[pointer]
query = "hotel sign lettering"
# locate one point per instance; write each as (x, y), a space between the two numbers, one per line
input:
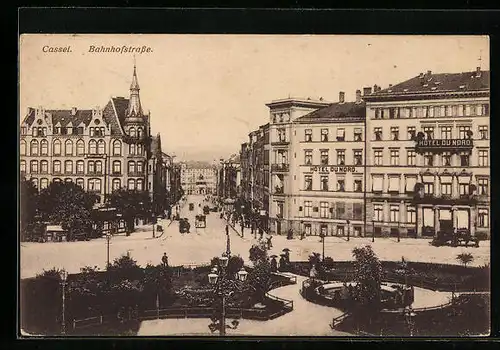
(334, 169)
(445, 143)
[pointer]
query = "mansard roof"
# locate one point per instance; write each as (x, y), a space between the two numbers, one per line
(336, 112)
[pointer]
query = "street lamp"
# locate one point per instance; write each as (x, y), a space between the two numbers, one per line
(409, 314)
(219, 280)
(322, 235)
(108, 238)
(64, 276)
(348, 222)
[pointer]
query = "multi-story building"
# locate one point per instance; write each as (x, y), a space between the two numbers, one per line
(99, 149)
(198, 178)
(317, 174)
(428, 167)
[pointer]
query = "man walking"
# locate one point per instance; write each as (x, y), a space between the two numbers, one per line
(227, 229)
(242, 227)
(164, 259)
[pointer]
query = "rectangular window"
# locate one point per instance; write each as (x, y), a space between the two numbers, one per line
(324, 135)
(394, 210)
(357, 211)
(340, 230)
(446, 156)
(463, 189)
(340, 210)
(341, 185)
(394, 157)
(429, 158)
(57, 167)
(377, 157)
(34, 167)
(79, 167)
(358, 157)
(454, 111)
(358, 134)
(483, 217)
(340, 157)
(411, 215)
(446, 189)
(429, 132)
(394, 133)
(394, 184)
(340, 134)
(308, 182)
(377, 183)
(446, 132)
(378, 133)
(324, 157)
(323, 209)
(411, 132)
(482, 186)
(377, 113)
(483, 157)
(473, 110)
(307, 208)
(44, 167)
(324, 182)
(308, 135)
(378, 214)
(428, 188)
(464, 159)
(308, 157)
(411, 157)
(483, 132)
(411, 181)
(358, 186)
(464, 132)
(392, 113)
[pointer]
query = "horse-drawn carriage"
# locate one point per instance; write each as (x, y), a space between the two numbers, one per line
(448, 236)
(200, 221)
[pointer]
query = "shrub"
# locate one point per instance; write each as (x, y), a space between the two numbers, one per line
(328, 262)
(481, 235)
(465, 258)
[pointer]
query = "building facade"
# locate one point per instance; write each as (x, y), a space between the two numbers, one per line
(99, 149)
(429, 167)
(198, 178)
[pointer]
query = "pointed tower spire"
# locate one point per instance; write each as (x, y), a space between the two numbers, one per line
(134, 103)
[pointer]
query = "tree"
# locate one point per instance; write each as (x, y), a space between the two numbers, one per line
(465, 258)
(131, 203)
(28, 208)
(368, 277)
(259, 279)
(158, 283)
(258, 252)
(68, 205)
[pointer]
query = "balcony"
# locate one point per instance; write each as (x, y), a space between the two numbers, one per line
(280, 167)
(280, 142)
(446, 199)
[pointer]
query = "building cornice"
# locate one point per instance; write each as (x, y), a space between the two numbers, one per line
(427, 95)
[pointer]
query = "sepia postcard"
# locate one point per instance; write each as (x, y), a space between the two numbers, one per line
(254, 185)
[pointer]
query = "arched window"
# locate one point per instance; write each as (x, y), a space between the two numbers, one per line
(57, 148)
(131, 132)
(94, 185)
(44, 147)
(91, 167)
(80, 148)
(68, 167)
(35, 182)
(44, 167)
(34, 167)
(131, 148)
(34, 148)
(117, 148)
(117, 167)
(80, 167)
(101, 147)
(80, 182)
(92, 147)
(56, 167)
(68, 180)
(57, 180)
(139, 185)
(44, 183)
(98, 167)
(139, 132)
(140, 167)
(131, 167)
(116, 184)
(22, 166)
(68, 147)
(139, 149)
(131, 184)
(22, 148)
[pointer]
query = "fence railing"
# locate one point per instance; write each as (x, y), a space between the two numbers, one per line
(338, 319)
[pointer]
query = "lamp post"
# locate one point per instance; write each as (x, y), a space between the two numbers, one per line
(409, 314)
(219, 280)
(108, 238)
(64, 276)
(228, 244)
(348, 222)
(322, 235)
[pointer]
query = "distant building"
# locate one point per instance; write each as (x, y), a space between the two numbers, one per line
(198, 178)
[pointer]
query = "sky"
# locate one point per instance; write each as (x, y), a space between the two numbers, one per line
(207, 92)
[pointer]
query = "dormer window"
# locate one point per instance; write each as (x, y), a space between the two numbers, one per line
(131, 132)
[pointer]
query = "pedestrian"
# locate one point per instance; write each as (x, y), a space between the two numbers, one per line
(242, 227)
(164, 259)
(227, 230)
(261, 233)
(269, 242)
(302, 234)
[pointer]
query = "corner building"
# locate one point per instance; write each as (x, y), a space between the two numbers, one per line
(428, 167)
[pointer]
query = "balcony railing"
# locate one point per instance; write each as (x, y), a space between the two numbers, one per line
(280, 142)
(280, 167)
(135, 173)
(446, 199)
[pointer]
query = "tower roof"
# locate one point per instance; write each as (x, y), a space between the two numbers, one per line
(135, 83)
(134, 109)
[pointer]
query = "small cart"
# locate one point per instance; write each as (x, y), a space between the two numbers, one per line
(200, 221)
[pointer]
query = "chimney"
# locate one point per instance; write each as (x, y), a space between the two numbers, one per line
(390, 85)
(358, 96)
(367, 91)
(73, 110)
(375, 88)
(421, 76)
(341, 97)
(478, 72)
(429, 73)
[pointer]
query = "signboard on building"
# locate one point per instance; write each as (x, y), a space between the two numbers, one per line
(334, 169)
(445, 143)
